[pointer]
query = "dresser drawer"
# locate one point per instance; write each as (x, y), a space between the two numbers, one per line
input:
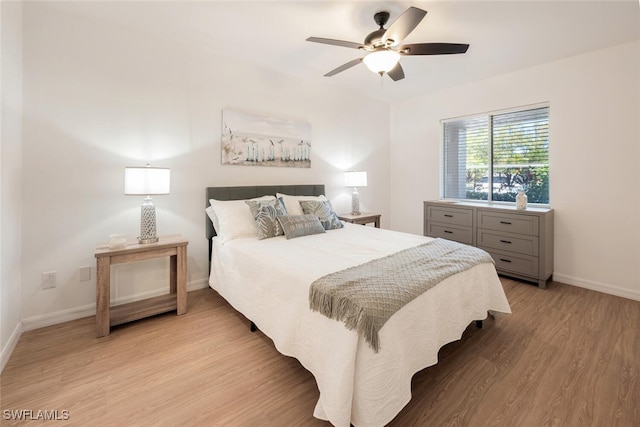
(520, 241)
(511, 223)
(459, 234)
(526, 245)
(524, 265)
(451, 216)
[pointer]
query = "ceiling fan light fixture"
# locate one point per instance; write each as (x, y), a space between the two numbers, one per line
(383, 47)
(381, 61)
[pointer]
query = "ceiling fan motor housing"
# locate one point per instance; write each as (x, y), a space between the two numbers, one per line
(374, 38)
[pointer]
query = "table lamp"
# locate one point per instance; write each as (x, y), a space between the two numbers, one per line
(147, 181)
(355, 179)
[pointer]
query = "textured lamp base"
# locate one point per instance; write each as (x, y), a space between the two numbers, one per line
(147, 222)
(145, 241)
(355, 202)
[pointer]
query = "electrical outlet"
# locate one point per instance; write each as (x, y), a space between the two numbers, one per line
(84, 274)
(48, 279)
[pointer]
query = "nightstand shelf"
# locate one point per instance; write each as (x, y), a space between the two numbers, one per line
(136, 310)
(362, 219)
(175, 247)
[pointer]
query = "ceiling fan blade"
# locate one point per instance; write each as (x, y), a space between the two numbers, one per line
(343, 67)
(396, 73)
(334, 42)
(402, 26)
(432, 48)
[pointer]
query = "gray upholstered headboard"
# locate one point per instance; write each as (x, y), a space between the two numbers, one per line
(249, 192)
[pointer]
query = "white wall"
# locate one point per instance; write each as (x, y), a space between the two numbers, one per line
(10, 176)
(594, 150)
(98, 98)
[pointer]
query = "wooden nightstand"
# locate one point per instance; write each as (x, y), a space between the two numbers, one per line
(363, 218)
(173, 246)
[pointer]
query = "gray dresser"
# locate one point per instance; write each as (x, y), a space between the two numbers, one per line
(520, 241)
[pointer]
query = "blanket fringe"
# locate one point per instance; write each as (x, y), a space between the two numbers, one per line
(353, 316)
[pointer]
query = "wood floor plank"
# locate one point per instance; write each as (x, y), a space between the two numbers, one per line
(565, 357)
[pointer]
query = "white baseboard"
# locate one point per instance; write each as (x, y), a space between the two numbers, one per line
(596, 286)
(10, 346)
(61, 316)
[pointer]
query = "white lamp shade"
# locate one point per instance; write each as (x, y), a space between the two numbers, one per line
(381, 61)
(355, 179)
(146, 181)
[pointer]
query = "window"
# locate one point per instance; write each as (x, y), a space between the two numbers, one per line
(493, 156)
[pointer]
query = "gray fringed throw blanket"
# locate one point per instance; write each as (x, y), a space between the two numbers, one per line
(364, 297)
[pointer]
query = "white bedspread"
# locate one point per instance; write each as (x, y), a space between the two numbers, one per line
(268, 281)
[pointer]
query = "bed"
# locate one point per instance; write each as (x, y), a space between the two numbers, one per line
(268, 281)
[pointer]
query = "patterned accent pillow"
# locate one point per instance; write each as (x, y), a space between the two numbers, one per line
(323, 210)
(292, 203)
(265, 215)
(300, 225)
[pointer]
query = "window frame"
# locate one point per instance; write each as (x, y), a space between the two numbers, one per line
(488, 116)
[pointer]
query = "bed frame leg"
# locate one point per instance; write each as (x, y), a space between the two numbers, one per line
(479, 324)
(253, 327)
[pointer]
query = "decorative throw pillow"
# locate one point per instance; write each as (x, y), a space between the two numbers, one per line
(232, 218)
(323, 210)
(300, 225)
(265, 216)
(292, 203)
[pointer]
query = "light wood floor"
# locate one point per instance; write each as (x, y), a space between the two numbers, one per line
(565, 357)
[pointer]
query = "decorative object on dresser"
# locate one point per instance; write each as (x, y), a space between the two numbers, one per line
(362, 219)
(519, 241)
(521, 200)
(147, 181)
(355, 179)
(175, 247)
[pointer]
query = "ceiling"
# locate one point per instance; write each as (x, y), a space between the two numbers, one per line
(504, 36)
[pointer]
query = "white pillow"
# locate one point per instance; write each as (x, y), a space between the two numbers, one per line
(212, 216)
(233, 218)
(292, 203)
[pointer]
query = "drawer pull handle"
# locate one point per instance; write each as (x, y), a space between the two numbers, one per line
(448, 232)
(505, 241)
(505, 222)
(505, 260)
(448, 216)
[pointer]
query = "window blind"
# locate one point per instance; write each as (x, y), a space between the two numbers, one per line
(466, 154)
(493, 156)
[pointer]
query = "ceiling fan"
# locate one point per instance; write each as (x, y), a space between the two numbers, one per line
(383, 49)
